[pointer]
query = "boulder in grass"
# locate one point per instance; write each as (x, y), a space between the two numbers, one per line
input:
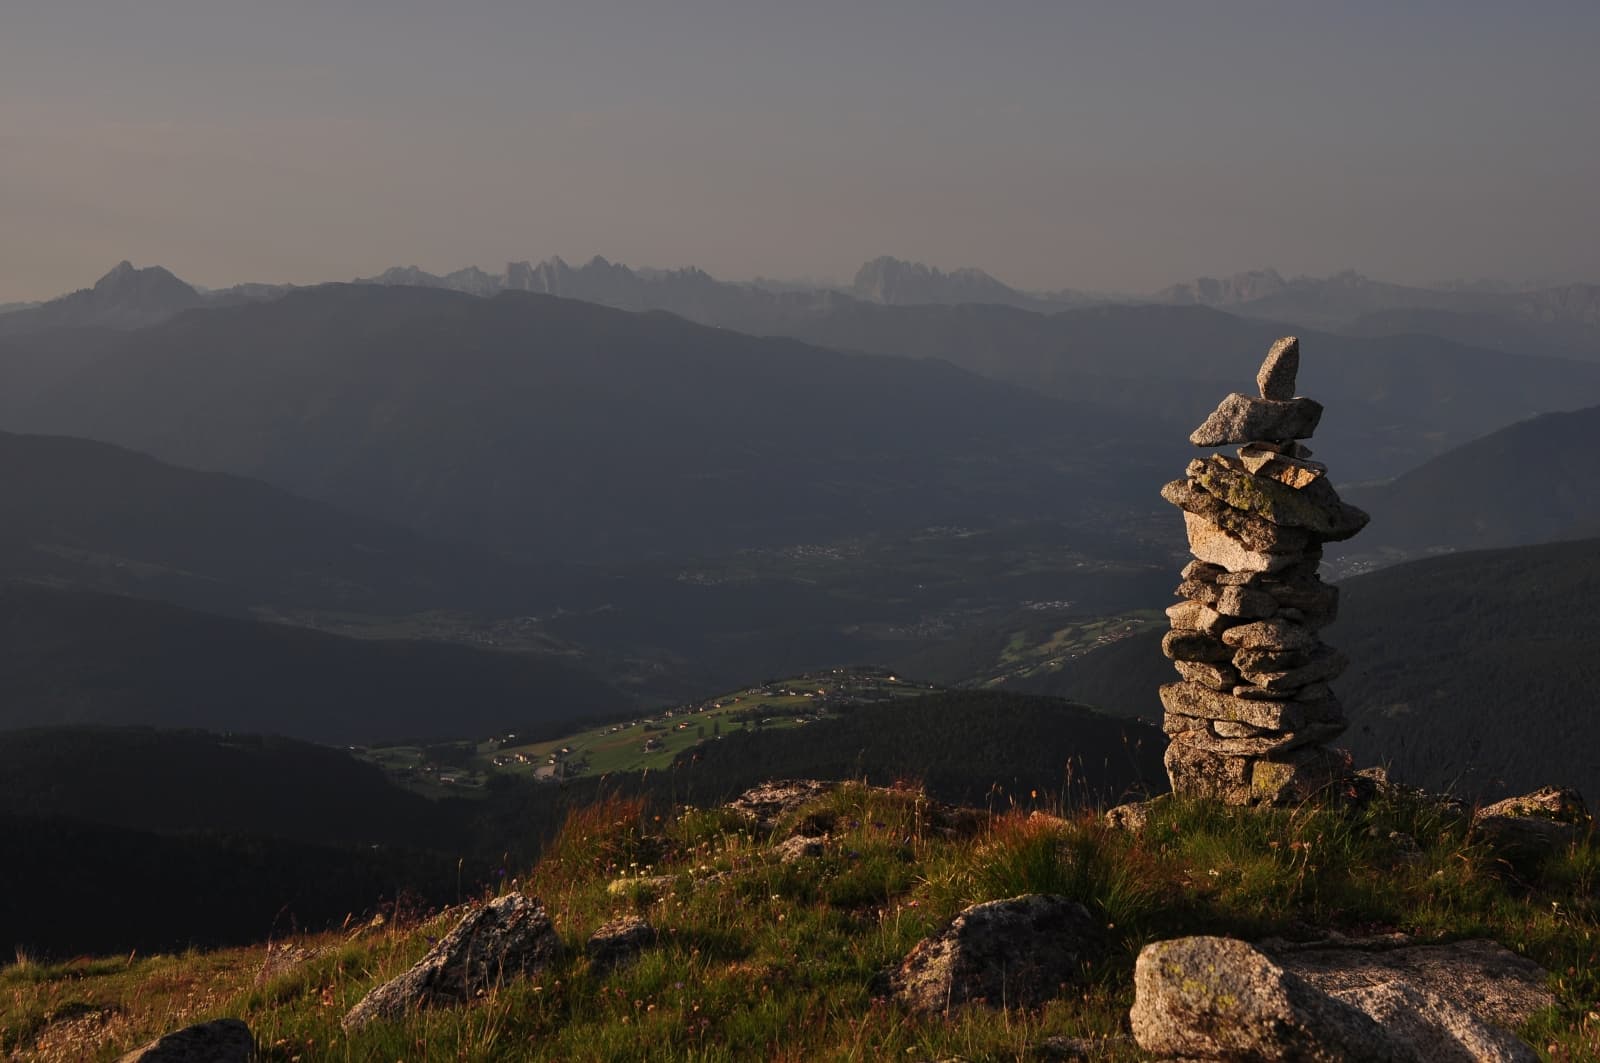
(1535, 824)
(510, 937)
(1454, 1002)
(1218, 998)
(218, 1041)
(1011, 953)
(1209, 998)
(619, 942)
(765, 805)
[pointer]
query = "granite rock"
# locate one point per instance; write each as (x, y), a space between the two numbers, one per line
(1276, 378)
(1207, 774)
(1216, 676)
(1316, 508)
(1192, 699)
(1009, 953)
(509, 937)
(1212, 544)
(1269, 635)
(217, 1041)
(1253, 531)
(1242, 419)
(1194, 646)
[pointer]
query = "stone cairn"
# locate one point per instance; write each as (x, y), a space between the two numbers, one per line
(1250, 716)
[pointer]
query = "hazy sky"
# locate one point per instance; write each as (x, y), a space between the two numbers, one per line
(1115, 146)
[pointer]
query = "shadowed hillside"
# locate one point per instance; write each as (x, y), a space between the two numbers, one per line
(1476, 672)
(106, 518)
(1529, 483)
(74, 657)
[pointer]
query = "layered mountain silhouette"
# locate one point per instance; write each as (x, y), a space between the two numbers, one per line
(1563, 320)
(100, 517)
(1473, 672)
(73, 657)
(551, 428)
(1530, 483)
(1393, 401)
(1465, 383)
(895, 282)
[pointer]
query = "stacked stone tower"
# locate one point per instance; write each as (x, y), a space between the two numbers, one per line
(1251, 715)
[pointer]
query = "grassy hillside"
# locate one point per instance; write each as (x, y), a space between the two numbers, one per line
(75, 657)
(184, 810)
(761, 959)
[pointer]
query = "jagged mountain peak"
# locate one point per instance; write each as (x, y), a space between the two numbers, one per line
(125, 297)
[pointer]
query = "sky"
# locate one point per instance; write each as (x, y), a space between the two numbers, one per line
(1114, 146)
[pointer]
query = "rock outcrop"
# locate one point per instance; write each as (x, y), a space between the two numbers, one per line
(507, 938)
(619, 942)
(1252, 710)
(1535, 824)
(1011, 953)
(765, 805)
(218, 1041)
(1209, 998)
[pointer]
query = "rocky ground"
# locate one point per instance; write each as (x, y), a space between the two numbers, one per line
(825, 921)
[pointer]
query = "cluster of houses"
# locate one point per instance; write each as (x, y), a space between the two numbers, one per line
(823, 690)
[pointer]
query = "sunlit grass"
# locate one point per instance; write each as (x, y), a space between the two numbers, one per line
(761, 959)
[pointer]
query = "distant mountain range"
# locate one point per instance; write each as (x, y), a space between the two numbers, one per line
(1563, 321)
(74, 657)
(552, 428)
(1398, 400)
(1475, 672)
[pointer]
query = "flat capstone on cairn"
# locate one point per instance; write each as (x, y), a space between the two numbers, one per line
(1249, 719)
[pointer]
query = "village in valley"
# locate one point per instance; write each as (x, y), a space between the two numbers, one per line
(643, 743)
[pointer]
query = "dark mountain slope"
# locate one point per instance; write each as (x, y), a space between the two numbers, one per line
(1478, 671)
(1399, 399)
(101, 517)
(1393, 401)
(76, 888)
(965, 746)
(73, 657)
(145, 779)
(1532, 482)
(545, 426)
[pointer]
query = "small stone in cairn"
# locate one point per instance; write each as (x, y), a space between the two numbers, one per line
(1253, 708)
(1277, 376)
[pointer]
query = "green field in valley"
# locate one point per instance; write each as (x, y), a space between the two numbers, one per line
(645, 743)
